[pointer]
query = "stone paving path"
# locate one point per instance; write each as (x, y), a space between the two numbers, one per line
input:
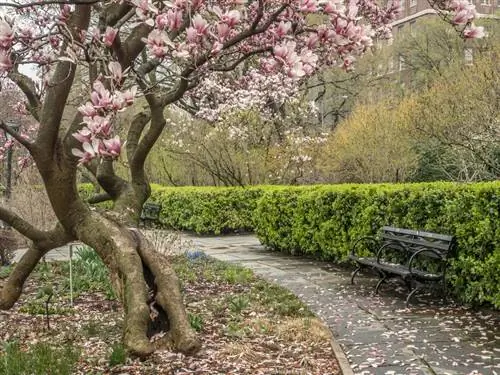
(377, 333)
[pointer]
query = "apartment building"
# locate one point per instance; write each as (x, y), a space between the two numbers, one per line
(412, 10)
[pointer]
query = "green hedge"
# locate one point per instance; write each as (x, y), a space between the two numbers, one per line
(207, 210)
(323, 221)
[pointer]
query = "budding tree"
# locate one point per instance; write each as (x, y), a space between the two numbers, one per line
(169, 53)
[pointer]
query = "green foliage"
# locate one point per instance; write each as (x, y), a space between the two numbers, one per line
(324, 221)
(39, 359)
(238, 303)
(196, 322)
(90, 274)
(277, 299)
(118, 355)
(207, 210)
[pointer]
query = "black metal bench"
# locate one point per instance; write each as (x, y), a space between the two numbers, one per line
(418, 258)
(150, 213)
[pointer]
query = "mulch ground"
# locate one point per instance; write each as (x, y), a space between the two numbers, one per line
(243, 330)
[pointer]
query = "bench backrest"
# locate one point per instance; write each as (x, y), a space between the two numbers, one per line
(415, 240)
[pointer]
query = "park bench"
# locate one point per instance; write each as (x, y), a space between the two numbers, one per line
(150, 213)
(418, 258)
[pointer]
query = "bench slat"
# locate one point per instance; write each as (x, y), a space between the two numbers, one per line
(419, 233)
(417, 242)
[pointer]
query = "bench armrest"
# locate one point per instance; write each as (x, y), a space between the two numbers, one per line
(438, 257)
(370, 243)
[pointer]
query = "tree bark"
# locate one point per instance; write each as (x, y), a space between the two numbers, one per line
(155, 317)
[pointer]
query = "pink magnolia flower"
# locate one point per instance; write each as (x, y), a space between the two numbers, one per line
(109, 36)
(87, 110)
(174, 19)
(309, 6)
(99, 126)
(100, 97)
(89, 152)
(112, 147)
(6, 34)
(5, 61)
(312, 41)
(116, 71)
(283, 28)
(200, 24)
(158, 43)
(129, 95)
(231, 18)
(223, 30)
(83, 135)
(191, 35)
(474, 32)
(330, 7)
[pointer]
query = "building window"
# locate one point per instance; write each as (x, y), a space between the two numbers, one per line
(401, 63)
(402, 4)
(413, 3)
(468, 56)
(485, 2)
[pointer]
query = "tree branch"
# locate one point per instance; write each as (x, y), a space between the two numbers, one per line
(21, 225)
(27, 86)
(13, 287)
(99, 198)
(58, 92)
(23, 141)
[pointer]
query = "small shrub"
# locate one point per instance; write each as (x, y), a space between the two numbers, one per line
(279, 300)
(238, 304)
(90, 274)
(118, 355)
(196, 322)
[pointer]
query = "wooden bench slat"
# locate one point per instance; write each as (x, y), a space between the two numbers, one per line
(437, 236)
(417, 242)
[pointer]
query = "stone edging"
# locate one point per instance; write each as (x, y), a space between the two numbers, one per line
(342, 360)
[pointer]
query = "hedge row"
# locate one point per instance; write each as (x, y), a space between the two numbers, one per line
(324, 220)
(207, 210)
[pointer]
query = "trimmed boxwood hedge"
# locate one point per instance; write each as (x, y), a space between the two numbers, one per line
(207, 210)
(323, 220)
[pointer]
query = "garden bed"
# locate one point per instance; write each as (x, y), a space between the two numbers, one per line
(247, 325)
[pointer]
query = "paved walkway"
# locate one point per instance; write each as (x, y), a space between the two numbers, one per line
(377, 333)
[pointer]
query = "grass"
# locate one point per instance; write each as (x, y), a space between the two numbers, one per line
(38, 359)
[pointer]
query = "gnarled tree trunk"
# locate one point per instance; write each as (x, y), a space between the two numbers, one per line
(147, 285)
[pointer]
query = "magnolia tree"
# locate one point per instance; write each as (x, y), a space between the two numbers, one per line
(168, 52)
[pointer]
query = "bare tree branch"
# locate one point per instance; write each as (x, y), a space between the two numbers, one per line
(27, 86)
(21, 225)
(23, 141)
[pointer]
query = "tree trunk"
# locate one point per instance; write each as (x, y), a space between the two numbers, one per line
(155, 317)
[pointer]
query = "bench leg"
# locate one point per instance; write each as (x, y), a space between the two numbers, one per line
(412, 293)
(380, 282)
(355, 272)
